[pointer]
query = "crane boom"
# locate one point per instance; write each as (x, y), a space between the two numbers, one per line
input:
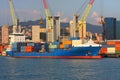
(82, 22)
(48, 16)
(52, 25)
(87, 10)
(14, 19)
(49, 23)
(46, 8)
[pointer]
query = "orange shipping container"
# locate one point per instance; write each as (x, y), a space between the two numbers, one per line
(6, 46)
(28, 48)
(103, 51)
(61, 45)
(67, 42)
(111, 42)
(117, 45)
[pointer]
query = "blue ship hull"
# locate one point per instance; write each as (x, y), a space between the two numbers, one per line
(74, 52)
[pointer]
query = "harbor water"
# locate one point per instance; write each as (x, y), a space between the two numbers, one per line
(59, 69)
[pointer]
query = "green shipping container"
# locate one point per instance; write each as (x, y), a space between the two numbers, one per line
(117, 52)
(53, 46)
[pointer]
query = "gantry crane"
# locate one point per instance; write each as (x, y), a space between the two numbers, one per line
(49, 23)
(81, 27)
(14, 19)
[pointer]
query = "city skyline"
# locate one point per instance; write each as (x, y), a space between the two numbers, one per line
(33, 10)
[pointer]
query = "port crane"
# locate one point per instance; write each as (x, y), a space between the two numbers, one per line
(81, 27)
(49, 23)
(14, 19)
(16, 28)
(102, 22)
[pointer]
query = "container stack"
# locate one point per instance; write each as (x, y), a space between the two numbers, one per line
(30, 44)
(103, 50)
(1, 49)
(111, 47)
(46, 47)
(37, 47)
(20, 46)
(14, 46)
(67, 44)
(61, 46)
(117, 47)
(29, 48)
(22, 49)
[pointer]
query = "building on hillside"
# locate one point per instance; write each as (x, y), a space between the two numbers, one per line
(57, 28)
(117, 29)
(43, 34)
(5, 34)
(38, 33)
(73, 26)
(1, 34)
(110, 28)
(35, 33)
(71, 29)
(82, 29)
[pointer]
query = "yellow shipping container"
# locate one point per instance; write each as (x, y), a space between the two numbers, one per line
(76, 42)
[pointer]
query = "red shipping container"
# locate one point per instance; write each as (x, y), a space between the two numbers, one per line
(103, 51)
(1, 48)
(117, 42)
(117, 48)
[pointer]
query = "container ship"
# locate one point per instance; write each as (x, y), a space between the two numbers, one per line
(71, 48)
(68, 49)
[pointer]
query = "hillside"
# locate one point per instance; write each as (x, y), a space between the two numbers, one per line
(90, 27)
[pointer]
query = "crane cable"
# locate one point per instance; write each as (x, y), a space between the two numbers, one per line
(101, 21)
(41, 14)
(82, 6)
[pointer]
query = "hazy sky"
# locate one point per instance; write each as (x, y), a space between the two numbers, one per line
(33, 9)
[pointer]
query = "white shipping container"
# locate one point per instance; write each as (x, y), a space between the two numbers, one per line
(111, 50)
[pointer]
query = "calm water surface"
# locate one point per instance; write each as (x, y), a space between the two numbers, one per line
(59, 69)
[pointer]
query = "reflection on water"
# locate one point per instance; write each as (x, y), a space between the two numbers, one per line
(59, 69)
